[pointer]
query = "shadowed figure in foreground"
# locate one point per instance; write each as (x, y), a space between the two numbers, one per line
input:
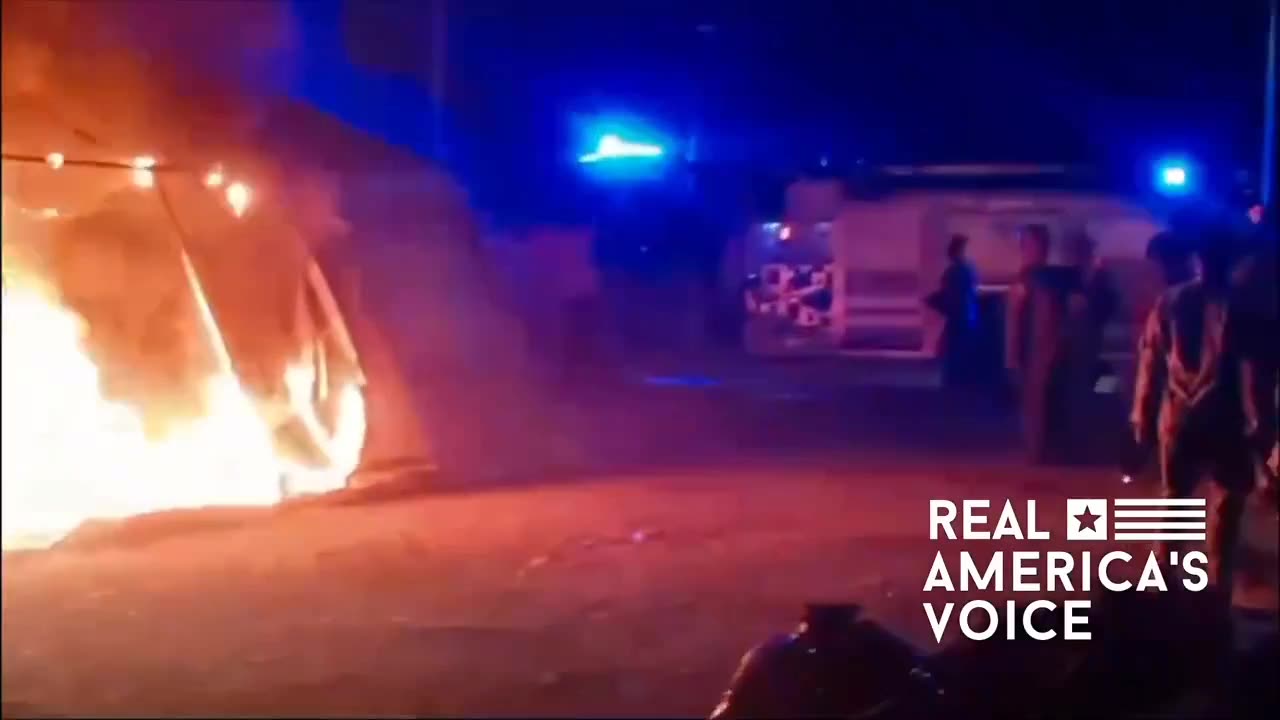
(1151, 654)
(835, 664)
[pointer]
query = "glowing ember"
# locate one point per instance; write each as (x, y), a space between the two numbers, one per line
(214, 178)
(142, 174)
(71, 455)
(238, 197)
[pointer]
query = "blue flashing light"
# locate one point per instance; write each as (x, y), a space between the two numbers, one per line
(612, 147)
(1174, 176)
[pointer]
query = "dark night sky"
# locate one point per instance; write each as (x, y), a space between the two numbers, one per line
(778, 84)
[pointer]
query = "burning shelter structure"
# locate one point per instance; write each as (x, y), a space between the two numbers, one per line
(189, 318)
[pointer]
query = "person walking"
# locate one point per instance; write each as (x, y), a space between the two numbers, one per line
(1189, 401)
(956, 299)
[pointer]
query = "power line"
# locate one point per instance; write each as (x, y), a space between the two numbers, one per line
(144, 169)
(102, 164)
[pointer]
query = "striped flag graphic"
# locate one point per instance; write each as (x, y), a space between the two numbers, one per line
(1159, 519)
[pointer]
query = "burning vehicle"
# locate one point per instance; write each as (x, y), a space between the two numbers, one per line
(170, 339)
(140, 375)
(201, 271)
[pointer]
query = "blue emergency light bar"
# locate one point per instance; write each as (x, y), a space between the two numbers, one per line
(612, 147)
(1174, 176)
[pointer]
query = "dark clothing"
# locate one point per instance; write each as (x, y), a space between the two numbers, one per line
(1092, 304)
(1189, 400)
(1228, 461)
(1255, 292)
(959, 292)
(957, 300)
(1036, 348)
(864, 672)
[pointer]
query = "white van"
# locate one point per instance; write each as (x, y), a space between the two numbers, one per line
(881, 257)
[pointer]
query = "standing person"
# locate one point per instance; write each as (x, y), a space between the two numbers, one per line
(1034, 347)
(1255, 294)
(1091, 305)
(1189, 399)
(957, 300)
(1171, 256)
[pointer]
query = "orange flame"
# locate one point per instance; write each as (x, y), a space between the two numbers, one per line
(71, 455)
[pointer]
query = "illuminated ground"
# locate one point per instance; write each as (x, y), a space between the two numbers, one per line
(621, 593)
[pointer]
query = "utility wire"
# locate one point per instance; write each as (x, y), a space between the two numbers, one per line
(103, 164)
(181, 238)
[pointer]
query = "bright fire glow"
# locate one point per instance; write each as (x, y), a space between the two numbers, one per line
(238, 197)
(72, 455)
(55, 159)
(214, 178)
(143, 176)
